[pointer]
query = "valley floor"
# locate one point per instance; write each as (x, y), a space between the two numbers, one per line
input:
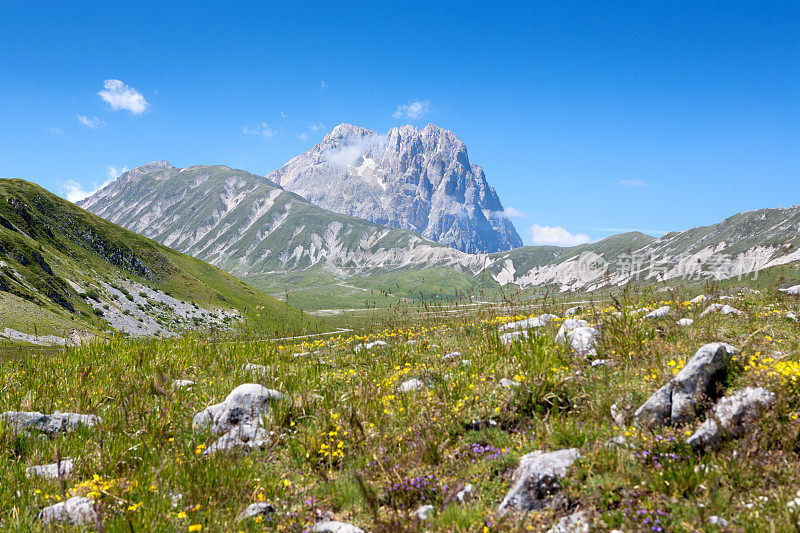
(433, 407)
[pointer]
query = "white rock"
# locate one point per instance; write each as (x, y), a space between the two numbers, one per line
(332, 526)
(583, 341)
(685, 322)
(74, 511)
(49, 424)
(795, 290)
(730, 416)
(658, 313)
(577, 522)
(410, 385)
(465, 494)
(424, 512)
(536, 479)
(567, 326)
(508, 383)
(715, 520)
(532, 322)
(791, 316)
(255, 369)
(370, 345)
(51, 471)
(255, 509)
(451, 355)
(182, 383)
(508, 338)
(698, 299)
(572, 311)
(722, 309)
(675, 402)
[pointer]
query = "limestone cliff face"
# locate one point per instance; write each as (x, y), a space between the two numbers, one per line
(414, 179)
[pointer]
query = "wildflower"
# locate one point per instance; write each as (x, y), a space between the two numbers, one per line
(196, 527)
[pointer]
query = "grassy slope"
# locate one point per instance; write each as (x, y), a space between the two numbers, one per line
(84, 248)
(345, 421)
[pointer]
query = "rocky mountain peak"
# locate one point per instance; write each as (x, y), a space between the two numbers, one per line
(414, 179)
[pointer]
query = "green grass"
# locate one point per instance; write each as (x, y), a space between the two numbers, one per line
(345, 442)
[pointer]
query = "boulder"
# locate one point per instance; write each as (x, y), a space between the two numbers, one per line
(577, 522)
(411, 385)
(255, 509)
(677, 401)
(658, 313)
(685, 322)
(731, 416)
(75, 511)
(572, 311)
(567, 326)
(51, 471)
(583, 341)
(50, 424)
(794, 290)
(332, 526)
(238, 417)
(537, 480)
(424, 512)
(508, 338)
(722, 309)
(698, 299)
(532, 322)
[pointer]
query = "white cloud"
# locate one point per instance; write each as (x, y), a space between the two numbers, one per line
(262, 129)
(283, 115)
(352, 149)
(56, 130)
(113, 173)
(91, 122)
(303, 137)
(632, 183)
(316, 127)
(514, 212)
(413, 110)
(323, 85)
(556, 236)
(121, 96)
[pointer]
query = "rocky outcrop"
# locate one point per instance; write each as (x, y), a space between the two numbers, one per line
(75, 511)
(678, 400)
(421, 180)
(730, 416)
(48, 424)
(238, 418)
(537, 480)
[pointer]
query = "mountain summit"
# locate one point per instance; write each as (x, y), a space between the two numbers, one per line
(421, 180)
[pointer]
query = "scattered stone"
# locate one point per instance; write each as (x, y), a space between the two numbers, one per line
(685, 322)
(618, 441)
(370, 345)
(602, 362)
(332, 526)
(619, 416)
(795, 290)
(508, 383)
(791, 316)
(49, 424)
(508, 338)
(451, 355)
(698, 299)
(74, 511)
(478, 425)
(411, 385)
(424, 512)
(182, 383)
(51, 471)
(577, 522)
(676, 402)
(572, 311)
(255, 509)
(238, 418)
(536, 479)
(722, 309)
(718, 521)
(583, 341)
(658, 313)
(533, 322)
(731, 416)
(78, 337)
(255, 369)
(567, 326)
(465, 494)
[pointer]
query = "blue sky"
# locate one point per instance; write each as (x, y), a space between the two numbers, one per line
(591, 117)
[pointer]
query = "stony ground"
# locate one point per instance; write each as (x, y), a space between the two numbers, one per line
(472, 423)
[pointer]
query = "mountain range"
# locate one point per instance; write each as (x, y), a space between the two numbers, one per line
(279, 241)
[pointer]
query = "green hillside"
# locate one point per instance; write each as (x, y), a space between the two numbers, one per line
(69, 269)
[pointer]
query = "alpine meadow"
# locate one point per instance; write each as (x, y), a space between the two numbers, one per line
(429, 266)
